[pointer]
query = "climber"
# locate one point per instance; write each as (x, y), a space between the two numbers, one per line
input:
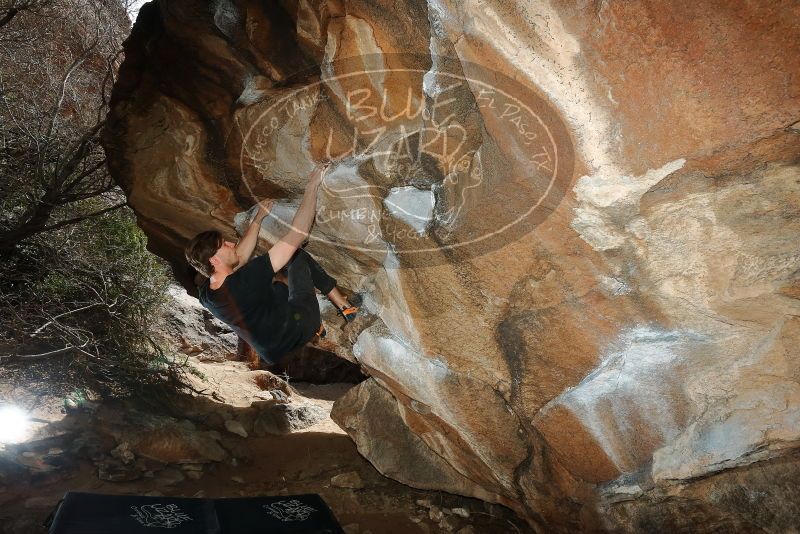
(274, 317)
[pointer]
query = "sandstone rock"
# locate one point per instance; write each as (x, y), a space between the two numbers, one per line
(271, 382)
(461, 512)
(350, 480)
(286, 418)
(748, 498)
(300, 416)
(165, 439)
(198, 333)
(279, 396)
(90, 445)
(396, 452)
(634, 329)
(115, 471)
(435, 513)
(235, 427)
(36, 461)
(274, 412)
(448, 524)
(169, 476)
(123, 453)
(192, 467)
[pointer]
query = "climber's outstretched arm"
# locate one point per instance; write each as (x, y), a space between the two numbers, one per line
(283, 250)
(247, 244)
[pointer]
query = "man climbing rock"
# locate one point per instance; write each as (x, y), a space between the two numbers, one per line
(272, 316)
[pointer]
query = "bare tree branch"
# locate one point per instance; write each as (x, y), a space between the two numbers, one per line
(10, 14)
(40, 355)
(77, 62)
(51, 160)
(74, 220)
(48, 323)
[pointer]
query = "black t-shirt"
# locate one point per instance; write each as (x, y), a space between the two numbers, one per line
(255, 308)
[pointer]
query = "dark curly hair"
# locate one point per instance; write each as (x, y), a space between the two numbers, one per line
(201, 248)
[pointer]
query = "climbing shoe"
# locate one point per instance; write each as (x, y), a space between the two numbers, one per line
(321, 332)
(349, 313)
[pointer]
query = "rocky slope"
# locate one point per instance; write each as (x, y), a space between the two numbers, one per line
(575, 227)
(250, 434)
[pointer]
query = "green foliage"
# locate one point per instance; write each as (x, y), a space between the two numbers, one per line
(77, 284)
(93, 290)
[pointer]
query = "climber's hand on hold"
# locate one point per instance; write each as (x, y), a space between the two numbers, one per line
(281, 253)
(247, 244)
(318, 173)
(264, 207)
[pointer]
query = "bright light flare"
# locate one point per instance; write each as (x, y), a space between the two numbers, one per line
(14, 424)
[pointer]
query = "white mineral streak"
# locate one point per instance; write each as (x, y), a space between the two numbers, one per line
(607, 201)
(360, 36)
(719, 388)
(628, 387)
(411, 205)
(750, 407)
(450, 397)
(551, 65)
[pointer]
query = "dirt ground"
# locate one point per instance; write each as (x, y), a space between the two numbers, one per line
(302, 462)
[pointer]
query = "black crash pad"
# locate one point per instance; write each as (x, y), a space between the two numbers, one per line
(93, 513)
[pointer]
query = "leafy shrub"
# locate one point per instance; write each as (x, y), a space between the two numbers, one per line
(90, 292)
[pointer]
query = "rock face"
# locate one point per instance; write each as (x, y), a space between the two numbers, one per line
(372, 416)
(195, 331)
(579, 258)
